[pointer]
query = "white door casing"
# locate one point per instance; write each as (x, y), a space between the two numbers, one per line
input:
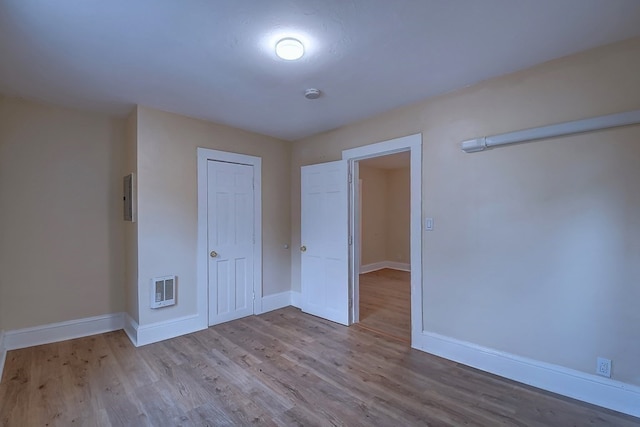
(324, 239)
(231, 239)
(413, 144)
(204, 156)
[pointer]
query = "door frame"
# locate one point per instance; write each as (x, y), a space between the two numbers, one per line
(202, 255)
(413, 144)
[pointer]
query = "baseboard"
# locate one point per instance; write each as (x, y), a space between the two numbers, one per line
(402, 266)
(368, 268)
(276, 301)
(3, 353)
(131, 329)
(62, 331)
(160, 331)
(578, 385)
(296, 299)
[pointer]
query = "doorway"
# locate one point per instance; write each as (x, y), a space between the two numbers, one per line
(229, 236)
(329, 229)
(412, 145)
(383, 249)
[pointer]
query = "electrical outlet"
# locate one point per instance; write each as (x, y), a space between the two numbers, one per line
(603, 367)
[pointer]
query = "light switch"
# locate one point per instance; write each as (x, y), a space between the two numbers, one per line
(428, 224)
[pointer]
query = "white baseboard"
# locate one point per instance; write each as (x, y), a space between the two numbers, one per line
(62, 331)
(589, 388)
(3, 353)
(160, 331)
(296, 299)
(402, 266)
(368, 268)
(276, 301)
(131, 329)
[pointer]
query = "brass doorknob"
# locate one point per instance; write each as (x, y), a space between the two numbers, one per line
(303, 248)
(213, 254)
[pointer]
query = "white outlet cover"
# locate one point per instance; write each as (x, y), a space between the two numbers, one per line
(603, 367)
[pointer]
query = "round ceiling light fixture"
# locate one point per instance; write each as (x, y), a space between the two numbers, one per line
(289, 49)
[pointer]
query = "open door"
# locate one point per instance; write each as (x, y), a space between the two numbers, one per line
(325, 241)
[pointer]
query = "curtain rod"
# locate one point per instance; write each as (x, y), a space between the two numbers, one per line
(560, 129)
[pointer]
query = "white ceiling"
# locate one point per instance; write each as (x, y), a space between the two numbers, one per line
(214, 59)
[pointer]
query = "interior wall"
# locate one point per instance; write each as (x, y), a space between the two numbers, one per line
(61, 216)
(2, 222)
(399, 213)
(386, 197)
(536, 247)
(375, 216)
(167, 204)
(131, 228)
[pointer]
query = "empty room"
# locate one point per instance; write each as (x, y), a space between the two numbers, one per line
(319, 212)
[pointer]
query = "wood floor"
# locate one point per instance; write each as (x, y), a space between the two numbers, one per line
(280, 368)
(385, 303)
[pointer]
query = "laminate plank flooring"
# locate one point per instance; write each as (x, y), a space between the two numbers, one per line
(385, 303)
(283, 368)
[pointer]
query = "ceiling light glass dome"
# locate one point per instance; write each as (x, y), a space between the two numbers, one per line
(289, 49)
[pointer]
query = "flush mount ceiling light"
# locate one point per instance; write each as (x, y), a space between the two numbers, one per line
(289, 49)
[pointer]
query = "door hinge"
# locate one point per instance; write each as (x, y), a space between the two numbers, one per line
(350, 302)
(350, 240)
(350, 178)
(254, 295)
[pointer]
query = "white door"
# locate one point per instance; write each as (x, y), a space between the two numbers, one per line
(325, 250)
(230, 238)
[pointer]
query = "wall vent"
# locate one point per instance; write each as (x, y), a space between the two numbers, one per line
(163, 291)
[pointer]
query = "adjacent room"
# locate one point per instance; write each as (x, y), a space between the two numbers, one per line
(302, 212)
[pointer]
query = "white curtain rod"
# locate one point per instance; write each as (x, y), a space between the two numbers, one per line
(560, 129)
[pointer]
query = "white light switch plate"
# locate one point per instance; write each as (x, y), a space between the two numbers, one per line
(428, 224)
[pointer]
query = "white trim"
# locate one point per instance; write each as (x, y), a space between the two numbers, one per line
(131, 329)
(62, 331)
(3, 353)
(589, 388)
(205, 154)
(276, 301)
(401, 266)
(296, 299)
(160, 331)
(413, 143)
(374, 266)
(393, 265)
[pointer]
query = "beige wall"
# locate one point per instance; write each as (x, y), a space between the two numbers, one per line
(131, 228)
(167, 203)
(398, 205)
(61, 214)
(375, 216)
(385, 215)
(536, 247)
(2, 281)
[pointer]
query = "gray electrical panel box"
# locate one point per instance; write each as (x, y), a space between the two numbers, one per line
(128, 194)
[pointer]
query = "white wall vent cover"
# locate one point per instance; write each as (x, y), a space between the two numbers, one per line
(163, 291)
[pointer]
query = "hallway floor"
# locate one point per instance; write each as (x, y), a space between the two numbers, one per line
(385, 303)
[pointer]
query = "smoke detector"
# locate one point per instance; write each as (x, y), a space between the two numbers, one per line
(312, 93)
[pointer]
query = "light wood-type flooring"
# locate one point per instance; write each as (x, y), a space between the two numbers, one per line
(385, 303)
(280, 368)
